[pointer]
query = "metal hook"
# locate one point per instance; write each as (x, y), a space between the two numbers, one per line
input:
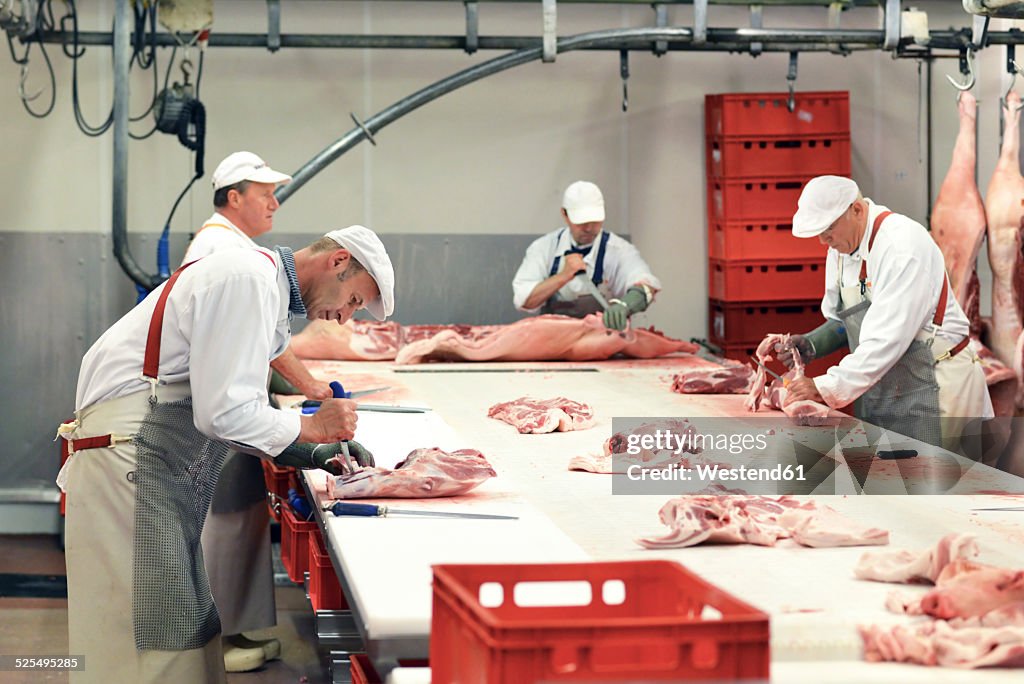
(966, 68)
(186, 69)
(21, 84)
(624, 72)
(791, 81)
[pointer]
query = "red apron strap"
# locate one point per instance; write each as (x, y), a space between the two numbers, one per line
(91, 443)
(151, 361)
(871, 243)
(940, 308)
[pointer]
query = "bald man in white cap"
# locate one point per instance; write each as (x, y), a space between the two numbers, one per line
(911, 368)
(571, 269)
(161, 397)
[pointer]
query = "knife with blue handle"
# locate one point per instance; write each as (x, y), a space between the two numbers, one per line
(343, 508)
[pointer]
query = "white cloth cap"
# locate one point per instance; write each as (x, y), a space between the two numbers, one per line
(823, 200)
(242, 166)
(583, 202)
(368, 250)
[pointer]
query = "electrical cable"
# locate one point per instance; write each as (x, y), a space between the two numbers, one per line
(83, 125)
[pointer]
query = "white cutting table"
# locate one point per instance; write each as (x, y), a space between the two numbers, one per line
(810, 594)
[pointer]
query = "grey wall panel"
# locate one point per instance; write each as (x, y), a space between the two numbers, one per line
(58, 293)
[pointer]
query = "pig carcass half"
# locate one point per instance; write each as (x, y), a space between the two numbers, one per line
(425, 473)
(538, 416)
(543, 338)
(1003, 207)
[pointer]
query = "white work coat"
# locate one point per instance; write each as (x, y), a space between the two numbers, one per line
(234, 291)
(216, 234)
(623, 268)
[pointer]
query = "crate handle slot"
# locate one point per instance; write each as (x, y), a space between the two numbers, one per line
(783, 144)
(650, 654)
(790, 185)
(789, 268)
(565, 593)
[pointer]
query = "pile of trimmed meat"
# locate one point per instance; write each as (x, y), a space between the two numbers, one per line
(979, 609)
(425, 473)
(540, 338)
(538, 416)
(761, 520)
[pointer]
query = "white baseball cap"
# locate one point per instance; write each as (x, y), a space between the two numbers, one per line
(823, 200)
(368, 250)
(242, 166)
(583, 202)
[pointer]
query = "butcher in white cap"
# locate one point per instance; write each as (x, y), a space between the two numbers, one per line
(162, 396)
(911, 368)
(581, 268)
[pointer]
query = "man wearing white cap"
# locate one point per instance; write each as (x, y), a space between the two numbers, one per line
(236, 537)
(887, 297)
(161, 396)
(571, 269)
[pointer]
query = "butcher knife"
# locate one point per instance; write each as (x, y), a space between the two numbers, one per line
(589, 284)
(375, 511)
(384, 408)
(769, 371)
(310, 406)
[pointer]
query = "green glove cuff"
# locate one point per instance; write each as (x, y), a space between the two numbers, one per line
(635, 299)
(298, 455)
(826, 338)
(278, 385)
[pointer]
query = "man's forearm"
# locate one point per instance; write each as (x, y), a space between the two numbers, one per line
(293, 370)
(545, 290)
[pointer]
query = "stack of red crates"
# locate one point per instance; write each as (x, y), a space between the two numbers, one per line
(760, 155)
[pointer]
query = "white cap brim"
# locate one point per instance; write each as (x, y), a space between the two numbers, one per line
(366, 248)
(823, 200)
(268, 175)
(585, 214)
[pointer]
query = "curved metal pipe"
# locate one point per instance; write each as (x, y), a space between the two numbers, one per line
(462, 78)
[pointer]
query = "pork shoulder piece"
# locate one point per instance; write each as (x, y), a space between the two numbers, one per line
(615, 456)
(539, 416)
(965, 588)
(912, 567)
(425, 473)
(543, 338)
(958, 216)
(722, 380)
(1004, 212)
(353, 341)
(824, 527)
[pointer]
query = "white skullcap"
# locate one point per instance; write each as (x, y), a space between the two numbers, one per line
(368, 250)
(242, 166)
(583, 202)
(823, 200)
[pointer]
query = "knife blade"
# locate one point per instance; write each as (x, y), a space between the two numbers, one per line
(380, 511)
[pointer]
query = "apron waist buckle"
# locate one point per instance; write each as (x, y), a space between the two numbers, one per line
(954, 350)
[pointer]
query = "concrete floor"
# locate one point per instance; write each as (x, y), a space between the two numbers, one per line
(38, 627)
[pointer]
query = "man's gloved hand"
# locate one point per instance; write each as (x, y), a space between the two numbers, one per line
(328, 457)
(801, 344)
(616, 316)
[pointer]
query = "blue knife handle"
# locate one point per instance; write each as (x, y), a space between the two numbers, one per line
(365, 510)
(339, 391)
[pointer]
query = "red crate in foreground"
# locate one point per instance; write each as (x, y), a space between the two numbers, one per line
(295, 535)
(324, 589)
(650, 620)
(279, 481)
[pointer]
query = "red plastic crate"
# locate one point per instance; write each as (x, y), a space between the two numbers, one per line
(752, 157)
(279, 481)
(769, 280)
(743, 352)
(767, 113)
(324, 589)
(362, 670)
(655, 631)
(748, 200)
(295, 534)
(761, 240)
(750, 322)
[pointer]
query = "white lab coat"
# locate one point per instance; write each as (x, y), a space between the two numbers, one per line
(623, 268)
(905, 273)
(216, 234)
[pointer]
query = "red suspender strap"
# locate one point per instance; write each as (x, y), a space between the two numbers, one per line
(91, 443)
(940, 308)
(871, 243)
(151, 361)
(273, 263)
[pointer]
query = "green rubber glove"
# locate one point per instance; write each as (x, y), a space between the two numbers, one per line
(616, 316)
(278, 385)
(324, 456)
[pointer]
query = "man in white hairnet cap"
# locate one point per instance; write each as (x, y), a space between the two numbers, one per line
(887, 297)
(236, 536)
(161, 397)
(577, 269)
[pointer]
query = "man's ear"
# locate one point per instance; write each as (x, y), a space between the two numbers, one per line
(339, 259)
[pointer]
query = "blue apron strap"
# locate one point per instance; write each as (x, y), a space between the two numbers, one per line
(599, 262)
(558, 257)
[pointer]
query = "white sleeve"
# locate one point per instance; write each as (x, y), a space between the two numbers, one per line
(631, 269)
(230, 348)
(830, 301)
(901, 299)
(535, 268)
(212, 239)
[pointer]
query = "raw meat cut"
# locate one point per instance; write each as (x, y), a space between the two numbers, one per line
(722, 380)
(758, 520)
(996, 640)
(803, 412)
(901, 565)
(764, 353)
(958, 216)
(615, 456)
(1003, 207)
(425, 473)
(538, 416)
(965, 588)
(543, 338)
(353, 341)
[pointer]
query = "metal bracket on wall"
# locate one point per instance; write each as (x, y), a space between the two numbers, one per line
(472, 27)
(273, 25)
(661, 21)
(550, 42)
(791, 81)
(364, 129)
(891, 22)
(835, 13)
(756, 22)
(700, 22)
